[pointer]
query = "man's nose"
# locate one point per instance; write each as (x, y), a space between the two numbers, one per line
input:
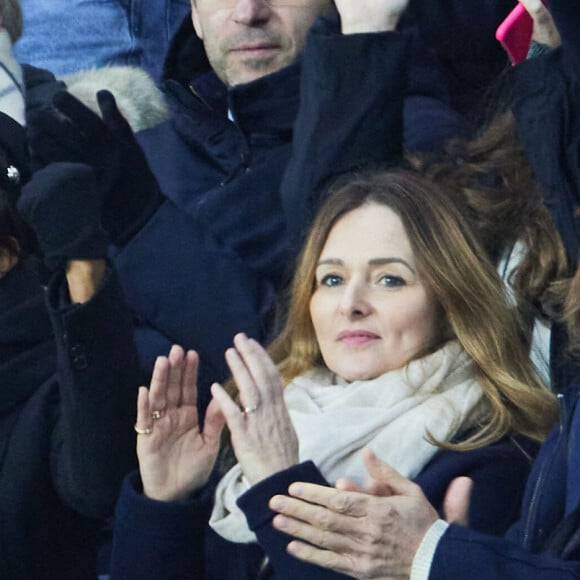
(251, 12)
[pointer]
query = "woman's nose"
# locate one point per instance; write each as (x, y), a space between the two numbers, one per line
(355, 300)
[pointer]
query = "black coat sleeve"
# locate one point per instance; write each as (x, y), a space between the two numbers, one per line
(351, 109)
(254, 504)
(364, 100)
(156, 540)
(465, 553)
(98, 373)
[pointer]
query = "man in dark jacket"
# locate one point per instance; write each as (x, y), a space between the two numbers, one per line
(208, 261)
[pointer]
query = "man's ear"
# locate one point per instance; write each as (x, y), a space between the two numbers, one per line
(195, 20)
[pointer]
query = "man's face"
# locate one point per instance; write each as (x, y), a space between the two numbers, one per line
(248, 39)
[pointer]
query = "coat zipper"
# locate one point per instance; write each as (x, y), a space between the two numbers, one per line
(540, 481)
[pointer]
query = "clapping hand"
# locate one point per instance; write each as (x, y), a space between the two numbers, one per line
(175, 457)
(356, 532)
(262, 433)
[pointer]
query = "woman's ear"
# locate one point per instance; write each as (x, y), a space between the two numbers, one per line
(9, 256)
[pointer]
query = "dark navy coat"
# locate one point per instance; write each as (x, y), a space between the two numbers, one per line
(174, 532)
(67, 398)
(545, 542)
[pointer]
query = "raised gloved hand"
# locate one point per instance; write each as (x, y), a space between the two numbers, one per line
(70, 131)
(62, 205)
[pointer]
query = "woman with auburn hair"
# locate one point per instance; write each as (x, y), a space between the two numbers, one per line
(400, 337)
(465, 286)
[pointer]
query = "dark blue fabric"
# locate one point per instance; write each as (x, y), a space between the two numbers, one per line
(141, 521)
(461, 33)
(353, 116)
(546, 105)
(464, 553)
(68, 388)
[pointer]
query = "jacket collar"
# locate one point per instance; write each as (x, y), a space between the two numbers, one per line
(263, 109)
(266, 104)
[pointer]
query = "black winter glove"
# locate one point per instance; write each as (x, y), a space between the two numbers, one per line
(70, 131)
(62, 205)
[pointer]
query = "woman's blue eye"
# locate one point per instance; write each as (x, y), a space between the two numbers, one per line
(392, 281)
(331, 280)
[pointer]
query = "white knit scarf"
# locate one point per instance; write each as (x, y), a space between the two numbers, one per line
(11, 81)
(392, 414)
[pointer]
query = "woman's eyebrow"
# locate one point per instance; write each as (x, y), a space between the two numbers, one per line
(383, 261)
(373, 262)
(331, 262)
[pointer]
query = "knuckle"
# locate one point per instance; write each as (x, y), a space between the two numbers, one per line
(374, 534)
(342, 503)
(364, 566)
(367, 566)
(326, 520)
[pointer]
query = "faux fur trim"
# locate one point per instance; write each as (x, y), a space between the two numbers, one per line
(138, 98)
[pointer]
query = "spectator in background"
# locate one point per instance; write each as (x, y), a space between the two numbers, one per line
(68, 375)
(67, 36)
(11, 77)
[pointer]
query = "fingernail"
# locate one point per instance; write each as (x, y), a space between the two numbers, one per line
(296, 490)
(277, 503)
(280, 522)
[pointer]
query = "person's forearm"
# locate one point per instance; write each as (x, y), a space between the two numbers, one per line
(84, 279)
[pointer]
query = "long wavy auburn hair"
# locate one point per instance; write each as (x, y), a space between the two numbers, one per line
(490, 178)
(453, 264)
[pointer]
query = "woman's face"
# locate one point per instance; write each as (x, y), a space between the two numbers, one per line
(370, 310)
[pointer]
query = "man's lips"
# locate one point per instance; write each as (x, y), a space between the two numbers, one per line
(357, 337)
(255, 48)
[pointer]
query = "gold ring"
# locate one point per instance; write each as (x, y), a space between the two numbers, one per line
(140, 431)
(156, 414)
(250, 409)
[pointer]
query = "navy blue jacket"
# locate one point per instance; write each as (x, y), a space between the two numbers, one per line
(546, 105)
(67, 399)
(545, 542)
(210, 262)
(174, 532)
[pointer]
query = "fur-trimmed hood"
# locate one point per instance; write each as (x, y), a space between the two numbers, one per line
(138, 98)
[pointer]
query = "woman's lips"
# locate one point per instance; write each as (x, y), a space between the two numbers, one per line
(357, 337)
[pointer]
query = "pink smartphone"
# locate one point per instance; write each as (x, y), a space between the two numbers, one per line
(515, 34)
